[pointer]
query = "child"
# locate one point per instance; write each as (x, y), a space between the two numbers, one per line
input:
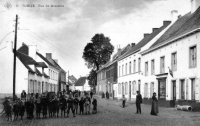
(94, 103)
(123, 101)
(76, 101)
(81, 106)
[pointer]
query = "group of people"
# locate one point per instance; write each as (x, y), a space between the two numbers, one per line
(154, 106)
(50, 105)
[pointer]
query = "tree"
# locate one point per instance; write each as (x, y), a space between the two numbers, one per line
(98, 51)
(92, 78)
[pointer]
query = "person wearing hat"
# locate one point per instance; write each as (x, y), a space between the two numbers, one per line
(138, 102)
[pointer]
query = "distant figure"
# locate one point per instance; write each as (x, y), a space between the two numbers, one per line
(94, 103)
(138, 102)
(63, 104)
(123, 101)
(154, 106)
(38, 105)
(91, 94)
(23, 95)
(107, 95)
(81, 106)
(8, 109)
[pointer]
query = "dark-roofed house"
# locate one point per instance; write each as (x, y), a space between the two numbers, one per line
(29, 74)
(171, 64)
(130, 67)
(53, 71)
(82, 84)
(107, 75)
(36, 75)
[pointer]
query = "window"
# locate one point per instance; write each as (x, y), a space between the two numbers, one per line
(162, 64)
(182, 89)
(119, 88)
(139, 85)
(139, 64)
(122, 70)
(129, 67)
(193, 57)
(134, 66)
(193, 89)
(174, 61)
(126, 88)
(146, 90)
(119, 70)
(152, 89)
(146, 68)
(152, 67)
(133, 87)
(126, 69)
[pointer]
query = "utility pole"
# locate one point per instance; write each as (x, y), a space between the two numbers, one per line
(68, 82)
(14, 51)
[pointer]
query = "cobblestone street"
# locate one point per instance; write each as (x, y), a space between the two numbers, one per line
(111, 113)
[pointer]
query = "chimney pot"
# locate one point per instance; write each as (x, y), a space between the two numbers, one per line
(56, 60)
(132, 44)
(154, 29)
(49, 55)
(174, 15)
(146, 34)
(166, 22)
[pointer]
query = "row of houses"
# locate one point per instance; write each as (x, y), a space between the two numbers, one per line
(35, 73)
(164, 61)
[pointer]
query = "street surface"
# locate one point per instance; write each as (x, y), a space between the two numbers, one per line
(110, 113)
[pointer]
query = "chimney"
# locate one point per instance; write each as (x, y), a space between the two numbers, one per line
(166, 23)
(154, 29)
(174, 15)
(132, 44)
(194, 5)
(49, 55)
(146, 34)
(56, 60)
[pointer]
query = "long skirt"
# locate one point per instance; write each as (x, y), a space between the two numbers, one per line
(154, 108)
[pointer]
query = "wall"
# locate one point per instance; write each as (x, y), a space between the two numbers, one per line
(183, 71)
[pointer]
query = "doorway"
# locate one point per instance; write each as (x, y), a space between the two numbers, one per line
(173, 93)
(130, 90)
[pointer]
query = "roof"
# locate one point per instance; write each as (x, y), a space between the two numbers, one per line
(45, 59)
(41, 64)
(145, 40)
(38, 72)
(184, 25)
(81, 81)
(72, 78)
(117, 55)
(24, 49)
(27, 60)
(45, 75)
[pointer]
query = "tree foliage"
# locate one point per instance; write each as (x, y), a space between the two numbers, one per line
(98, 51)
(92, 78)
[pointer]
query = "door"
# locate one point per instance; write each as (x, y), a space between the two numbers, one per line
(173, 93)
(129, 90)
(162, 88)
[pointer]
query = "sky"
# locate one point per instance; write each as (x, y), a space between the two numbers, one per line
(65, 30)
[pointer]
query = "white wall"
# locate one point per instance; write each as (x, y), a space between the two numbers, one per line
(183, 71)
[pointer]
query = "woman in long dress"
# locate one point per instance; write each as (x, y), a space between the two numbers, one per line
(154, 106)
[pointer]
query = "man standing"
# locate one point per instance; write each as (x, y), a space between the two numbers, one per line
(70, 105)
(138, 102)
